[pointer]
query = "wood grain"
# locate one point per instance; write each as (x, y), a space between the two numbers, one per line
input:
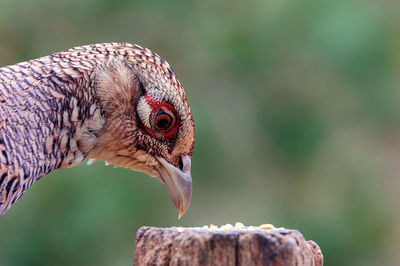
(204, 247)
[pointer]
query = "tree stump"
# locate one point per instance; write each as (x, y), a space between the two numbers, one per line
(206, 247)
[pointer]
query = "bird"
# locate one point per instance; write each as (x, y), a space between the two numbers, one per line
(116, 102)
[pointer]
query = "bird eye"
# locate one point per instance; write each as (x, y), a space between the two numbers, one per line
(163, 121)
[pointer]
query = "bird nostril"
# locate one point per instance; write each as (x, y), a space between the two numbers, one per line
(180, 163)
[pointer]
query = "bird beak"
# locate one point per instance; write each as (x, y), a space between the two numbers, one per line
(178, 182)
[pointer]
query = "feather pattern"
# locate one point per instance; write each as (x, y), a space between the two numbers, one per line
(51, 116)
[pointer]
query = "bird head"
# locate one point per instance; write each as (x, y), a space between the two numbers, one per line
(147, 123)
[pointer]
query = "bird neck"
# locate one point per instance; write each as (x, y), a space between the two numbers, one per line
(82, 120)
(52, 115)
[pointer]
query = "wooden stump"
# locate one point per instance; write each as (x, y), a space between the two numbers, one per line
(201, 247)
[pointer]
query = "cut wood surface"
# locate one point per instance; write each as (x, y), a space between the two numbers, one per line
(202, 246)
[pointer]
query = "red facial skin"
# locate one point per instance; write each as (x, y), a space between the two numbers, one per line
(169, 135)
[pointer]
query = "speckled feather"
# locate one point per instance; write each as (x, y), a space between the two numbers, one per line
(53, 112)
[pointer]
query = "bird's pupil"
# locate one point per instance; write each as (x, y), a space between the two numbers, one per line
(162, 123)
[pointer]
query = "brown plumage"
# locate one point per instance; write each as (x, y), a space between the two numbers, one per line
(116, 102)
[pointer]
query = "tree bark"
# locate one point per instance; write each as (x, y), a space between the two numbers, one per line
(206, 247)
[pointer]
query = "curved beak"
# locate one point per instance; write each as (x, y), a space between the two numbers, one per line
(178, 182)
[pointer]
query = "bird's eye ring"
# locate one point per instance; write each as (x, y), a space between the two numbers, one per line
(163, 121)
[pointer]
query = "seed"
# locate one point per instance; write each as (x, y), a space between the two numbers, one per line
(227, 227)
(267, 226)
(238, 226)
(212, 227)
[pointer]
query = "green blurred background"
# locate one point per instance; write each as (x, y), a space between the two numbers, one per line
(297, 112)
